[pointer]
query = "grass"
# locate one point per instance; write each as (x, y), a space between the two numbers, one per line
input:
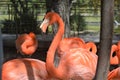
(3, 17)
(92, 19)
(97, 28)
(94, 28)
(117, 30)
(40, 18)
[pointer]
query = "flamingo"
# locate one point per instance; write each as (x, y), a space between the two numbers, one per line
(26, 44)
(114, 58)
(25, 68)
(77, 63)
(115, 73)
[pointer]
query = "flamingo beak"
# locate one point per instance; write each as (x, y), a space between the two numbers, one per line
(44, 25)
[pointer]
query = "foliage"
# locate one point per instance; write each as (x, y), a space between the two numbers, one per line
(24, 24)
(77, 22)
(117, 13)
(24, 21)
(8, 25)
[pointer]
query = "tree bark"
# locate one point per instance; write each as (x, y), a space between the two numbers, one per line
(106, 34)
(1, 54)
(62, 7)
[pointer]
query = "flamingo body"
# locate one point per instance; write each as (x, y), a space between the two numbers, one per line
(24, 69)
(19, 69)
(80, 63)
(69, 43)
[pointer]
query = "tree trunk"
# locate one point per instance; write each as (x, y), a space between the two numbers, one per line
(1, 54)
(62, 7)
(106, 35)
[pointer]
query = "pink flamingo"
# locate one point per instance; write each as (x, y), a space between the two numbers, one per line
(25, 68)
(115, 73)
(114, 58)
(77, 63)
(26, 44)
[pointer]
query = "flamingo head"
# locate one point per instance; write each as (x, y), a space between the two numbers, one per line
(50, 18)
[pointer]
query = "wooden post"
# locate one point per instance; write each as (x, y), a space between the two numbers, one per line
(1, 54)
(106, 34)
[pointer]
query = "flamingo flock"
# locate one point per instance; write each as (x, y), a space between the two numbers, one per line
(78, 59)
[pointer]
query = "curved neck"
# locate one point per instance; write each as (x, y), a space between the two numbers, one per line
(91, 47)
(27, 49)
(51, 51)
(118, 52)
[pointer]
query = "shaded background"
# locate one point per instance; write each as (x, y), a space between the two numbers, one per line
(23, 16)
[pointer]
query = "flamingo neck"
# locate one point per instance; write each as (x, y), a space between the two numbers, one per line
(114, 60)
(91, 45)
(94, 48)
(118, 52)
(52, 49)
(118, 56)
(27, 50)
